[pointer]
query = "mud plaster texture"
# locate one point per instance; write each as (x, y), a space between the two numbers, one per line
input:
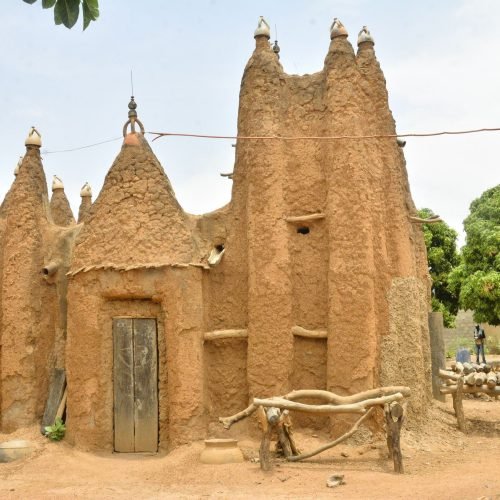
(359, 272)
(84, 208)
(60, 209)
(28, 305)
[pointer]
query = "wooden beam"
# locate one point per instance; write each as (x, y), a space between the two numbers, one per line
(311, 334)
(448, 375)
(225, 334)
(305, 218)
(468, 389)
(430, 220)
(56, 394)
(333, 398)
(359, 407)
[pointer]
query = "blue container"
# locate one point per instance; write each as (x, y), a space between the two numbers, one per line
(463, 355)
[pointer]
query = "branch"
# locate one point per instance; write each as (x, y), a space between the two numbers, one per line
(359, 407)
(327, 446)
(333, 398)
(227, 422)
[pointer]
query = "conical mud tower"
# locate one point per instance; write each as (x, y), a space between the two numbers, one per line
(59, 205)
(27, 318)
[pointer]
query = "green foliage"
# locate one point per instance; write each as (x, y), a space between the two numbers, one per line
(478, 276)
(440, 241)
(492, 345)
(457, 343)
(56, 432)
(67, 11)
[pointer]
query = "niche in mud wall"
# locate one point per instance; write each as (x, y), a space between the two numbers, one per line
(309, 372)
(226, 376)
(308, 246)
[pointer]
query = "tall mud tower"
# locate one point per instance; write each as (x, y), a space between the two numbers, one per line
(27, 319)
(333, 256)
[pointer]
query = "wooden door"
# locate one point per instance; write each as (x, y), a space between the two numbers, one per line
(135, 376)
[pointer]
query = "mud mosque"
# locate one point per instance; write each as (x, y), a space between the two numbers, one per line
(313, 276)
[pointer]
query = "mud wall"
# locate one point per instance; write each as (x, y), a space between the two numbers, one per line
(340, 273)
(171, 295)
(405, 354)
(309, 372)
(225, 377)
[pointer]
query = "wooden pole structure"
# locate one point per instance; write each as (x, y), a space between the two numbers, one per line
(458, 405)
(394, 418)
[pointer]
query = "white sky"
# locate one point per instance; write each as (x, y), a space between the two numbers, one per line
(440, 61)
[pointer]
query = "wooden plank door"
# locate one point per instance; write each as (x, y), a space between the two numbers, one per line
(135, 374)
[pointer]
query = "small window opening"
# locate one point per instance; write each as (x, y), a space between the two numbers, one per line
(219, 248)
(303, 230)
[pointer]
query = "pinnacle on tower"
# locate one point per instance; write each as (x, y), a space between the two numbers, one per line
(276, 49)
(18, 166)
(86, 190)
(132, 118)
(365, 36)
(34, 138)
(263, 28)
(57, 183)
(337, 29)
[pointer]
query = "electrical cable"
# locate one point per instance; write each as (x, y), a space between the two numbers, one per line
(326, 137)
(287, 138)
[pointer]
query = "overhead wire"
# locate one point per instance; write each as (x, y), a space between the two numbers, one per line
(286, 138)
(323, 137)
(47, 152)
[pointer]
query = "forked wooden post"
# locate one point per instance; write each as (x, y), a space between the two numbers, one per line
(394, 418)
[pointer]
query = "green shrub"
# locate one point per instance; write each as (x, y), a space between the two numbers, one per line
(492, 345)
(55, 432)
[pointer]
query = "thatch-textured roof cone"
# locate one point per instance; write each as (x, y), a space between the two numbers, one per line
(60, 209)
(136, 219)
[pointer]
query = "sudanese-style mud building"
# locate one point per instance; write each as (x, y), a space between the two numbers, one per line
(313, 276)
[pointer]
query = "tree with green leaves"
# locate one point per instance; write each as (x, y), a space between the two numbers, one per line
(66, 12)
(442, 256)
(478, 276)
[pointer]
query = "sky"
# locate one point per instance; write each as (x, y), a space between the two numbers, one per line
(440, 60)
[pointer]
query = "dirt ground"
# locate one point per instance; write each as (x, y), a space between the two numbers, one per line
(439, 463)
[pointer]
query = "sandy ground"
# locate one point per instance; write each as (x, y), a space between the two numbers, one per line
(439, 463)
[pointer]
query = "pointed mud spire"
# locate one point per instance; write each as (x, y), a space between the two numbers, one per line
(25, 324)
(86, 203)
(136, 219)
(60, 209)
(262, 35)
(340, 52)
